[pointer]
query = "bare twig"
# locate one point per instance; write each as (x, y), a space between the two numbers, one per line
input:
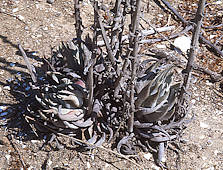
(193, 48)
(78, 23)
(150, 32)
(12, 15)
(161, 54)
(11, 140)
(105, 38)
(201, 38)
(93, 60)
(29, 66)
(134, 43)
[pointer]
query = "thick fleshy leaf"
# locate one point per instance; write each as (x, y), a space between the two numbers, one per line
(70, 114)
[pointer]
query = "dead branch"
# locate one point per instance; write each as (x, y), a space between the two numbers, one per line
(93, 61)
(133, 43)
(11, 140)
(78, 20)
(150, 32)
(201, 38)
(194, 45)
(105, 38)
(216, 77)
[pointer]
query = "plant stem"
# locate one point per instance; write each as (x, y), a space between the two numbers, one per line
(193, 48)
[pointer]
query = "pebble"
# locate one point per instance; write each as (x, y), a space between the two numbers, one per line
(38, 35)
(88, 165)
(49, 162)
(210, 168)
(34, 141)
(204, 125)
(148, 156)
(216, 152)
(209, 142)
(45, 28)
(2, 10)
(15, 10)
(193, 101)
(161, 46)
(2, 72)
(21, 17)
(30, 168)
(50, 1)
(6, 88)
(218, 112)
(7, 157)
(26, 28)
(204, 158)
(218, 2)
(154, 167)
(212, 36)
(208, 83)
(183, 43)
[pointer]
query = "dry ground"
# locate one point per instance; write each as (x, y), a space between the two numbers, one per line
(40, 26)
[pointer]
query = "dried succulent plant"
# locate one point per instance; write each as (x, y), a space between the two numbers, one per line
(90, 92)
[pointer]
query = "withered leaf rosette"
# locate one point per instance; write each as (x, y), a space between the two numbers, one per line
(62, 98)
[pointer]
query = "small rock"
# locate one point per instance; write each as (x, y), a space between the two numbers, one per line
(107, 165)
(26, 28)
(49, 162)
(39, 35)
(212, 36)
(193, 101)
(7, 157)
(204, 158)
(21, 17)
(210, 168)
(161, 46)
(216, 152)
(15, 10)
(65, 164)
(154, 167)
(2, 10)
(2, 72)
(88, 165)
(204, 125)
(6, 88)
(50, 1)
(208, 83)
(30, 168)
(218, 112)
(148, 156)
(45, 28)
(209, 142)
(182, 43)
(218, 2)
(23, 146)
(34, 141)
